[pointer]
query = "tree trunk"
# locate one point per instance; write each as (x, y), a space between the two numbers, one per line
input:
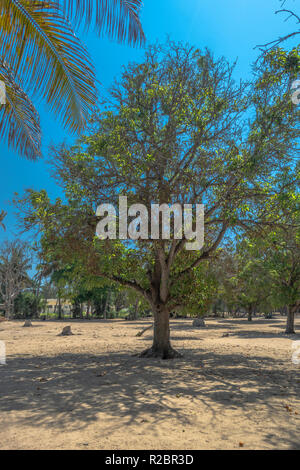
(161, 346)
(88, 310)
(290, 322)
(136, 310)
(36, 312)
(250, 311)
(76, 309)
(107, 300)
(59, 309)
(8, 311)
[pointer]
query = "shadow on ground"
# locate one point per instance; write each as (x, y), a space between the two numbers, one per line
(69, 391)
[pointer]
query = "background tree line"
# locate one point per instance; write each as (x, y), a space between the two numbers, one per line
(256, 276)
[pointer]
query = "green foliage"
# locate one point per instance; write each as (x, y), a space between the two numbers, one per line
(28, 305)
(198, 300)
(180, 131)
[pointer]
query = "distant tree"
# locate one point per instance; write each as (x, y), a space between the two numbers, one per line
(250, 284)
(181, 131)
(285, 270)
(282, 251)
(197, 290)
(48, 290)
(268, 263)
(27, 304)
(60, 278)
(15, 261)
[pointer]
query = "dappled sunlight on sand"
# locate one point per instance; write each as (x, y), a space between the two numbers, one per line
(90, 390)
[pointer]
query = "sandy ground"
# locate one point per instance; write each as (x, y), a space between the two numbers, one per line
(89, 391)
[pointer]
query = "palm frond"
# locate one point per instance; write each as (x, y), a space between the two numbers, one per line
(40, 45)
(19, 121)
(120, 19)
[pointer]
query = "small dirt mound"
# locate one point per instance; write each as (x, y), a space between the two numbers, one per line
(140, 333)
(199, 323)
(66, 331)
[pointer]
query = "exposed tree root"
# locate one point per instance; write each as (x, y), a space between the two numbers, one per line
(140, 333)
(168, 353)
(290, 332)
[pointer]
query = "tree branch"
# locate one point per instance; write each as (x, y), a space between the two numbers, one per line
(206, 253)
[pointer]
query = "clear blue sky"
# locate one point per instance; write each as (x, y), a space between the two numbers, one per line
(228, 27)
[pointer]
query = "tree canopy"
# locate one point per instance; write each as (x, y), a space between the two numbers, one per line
(177, 129)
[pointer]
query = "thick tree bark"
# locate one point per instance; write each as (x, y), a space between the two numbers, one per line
(8, 311)
(161, 346)
(290, 322)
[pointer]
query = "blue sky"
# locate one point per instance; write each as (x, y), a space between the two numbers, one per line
(230, 28)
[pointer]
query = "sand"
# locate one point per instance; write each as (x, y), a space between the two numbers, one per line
(89, 391)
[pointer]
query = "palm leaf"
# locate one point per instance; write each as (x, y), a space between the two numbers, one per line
(117, 18)
(38, 42)
(36, 39)
(19, 121)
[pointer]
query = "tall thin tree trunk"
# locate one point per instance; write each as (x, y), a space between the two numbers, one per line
(106, 305)
(290, 322)
(76, 310)
(88, 310)
(59, 308)
(250, 312)
(136, 310)
(8, 311)
(36, 312)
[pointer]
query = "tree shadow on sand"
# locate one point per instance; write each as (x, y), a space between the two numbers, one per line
(71, 390)
(264, 334)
